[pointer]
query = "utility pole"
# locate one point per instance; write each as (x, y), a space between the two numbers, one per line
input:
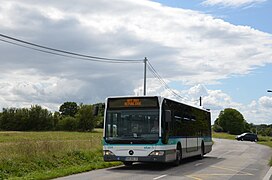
(200, 101)
(145, 61)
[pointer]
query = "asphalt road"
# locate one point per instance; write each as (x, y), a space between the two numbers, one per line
(232, 160)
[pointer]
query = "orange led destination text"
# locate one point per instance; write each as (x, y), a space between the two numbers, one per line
(133, 102)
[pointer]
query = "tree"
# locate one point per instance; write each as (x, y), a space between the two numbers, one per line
(23, 119)
(67, 123)
(68, 109)
(231, 121)
(40, 119)
(85, 117)
(217, 128)
(56, 119)
(268, 131)
(100, 116)
(8, 121)
(1, 121)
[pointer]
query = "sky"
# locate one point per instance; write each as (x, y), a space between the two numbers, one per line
(220, 50)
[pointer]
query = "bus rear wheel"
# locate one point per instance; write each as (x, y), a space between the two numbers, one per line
(201, 156)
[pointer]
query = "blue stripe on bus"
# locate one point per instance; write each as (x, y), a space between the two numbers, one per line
(172, 140)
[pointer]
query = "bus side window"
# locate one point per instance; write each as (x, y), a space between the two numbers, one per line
(112, 127)
(166, 126)
(168, 120)
(112, 130)
(167, 116)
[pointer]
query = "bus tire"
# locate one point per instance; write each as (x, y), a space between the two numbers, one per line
(201, 156)
(178, 155)
(128, 163)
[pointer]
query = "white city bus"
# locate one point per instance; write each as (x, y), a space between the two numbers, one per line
(154, 129)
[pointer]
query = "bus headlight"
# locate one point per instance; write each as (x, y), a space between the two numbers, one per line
(108, 153)
(157, 153)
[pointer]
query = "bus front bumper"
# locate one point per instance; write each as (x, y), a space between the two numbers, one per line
(155, 156)
(135, 159)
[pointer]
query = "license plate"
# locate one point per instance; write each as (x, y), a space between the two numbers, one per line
(131, 159)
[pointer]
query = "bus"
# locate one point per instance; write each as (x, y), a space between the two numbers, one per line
(154, 129)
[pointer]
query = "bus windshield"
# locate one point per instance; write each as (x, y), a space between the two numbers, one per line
(132, 126)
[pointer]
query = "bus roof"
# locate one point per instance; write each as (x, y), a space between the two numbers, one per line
(160, 98)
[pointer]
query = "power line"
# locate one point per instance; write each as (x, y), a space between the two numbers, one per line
(58, 52)
(156, 75)
(71, 54)
(166, 86)
(64, 55)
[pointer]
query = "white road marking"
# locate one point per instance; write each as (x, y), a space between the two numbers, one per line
(222, 155)
(159, 177)
(198, 164)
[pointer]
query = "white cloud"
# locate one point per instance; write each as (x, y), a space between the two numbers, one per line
(53, 13)
(232, 3)
(184, 46)
(266, 102)
(257, 112)
(198, 90)
(48, 91)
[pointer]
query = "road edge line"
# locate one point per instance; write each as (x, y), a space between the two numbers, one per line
(268, 174)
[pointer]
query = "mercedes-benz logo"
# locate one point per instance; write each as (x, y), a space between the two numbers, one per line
(131, 152)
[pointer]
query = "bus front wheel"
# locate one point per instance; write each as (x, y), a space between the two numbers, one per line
(178, 155)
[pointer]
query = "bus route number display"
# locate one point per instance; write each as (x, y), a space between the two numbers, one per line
(132, 102)
(149, 102)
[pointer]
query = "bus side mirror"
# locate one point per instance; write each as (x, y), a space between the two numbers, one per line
(95, 110)
(167, 116)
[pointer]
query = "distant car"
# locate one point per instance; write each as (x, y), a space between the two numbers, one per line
(247, 137)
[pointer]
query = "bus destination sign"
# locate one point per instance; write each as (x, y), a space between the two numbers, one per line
(149, 102)
(132, 102)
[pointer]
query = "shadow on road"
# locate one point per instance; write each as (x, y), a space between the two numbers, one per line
(188, 165)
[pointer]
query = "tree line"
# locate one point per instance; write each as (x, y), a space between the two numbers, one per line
(74, 117)
(70, 117)
(232, 121)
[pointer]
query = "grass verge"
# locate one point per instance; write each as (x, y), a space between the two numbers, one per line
(46, 155)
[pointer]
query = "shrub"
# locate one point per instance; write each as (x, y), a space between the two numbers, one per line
(67, 123)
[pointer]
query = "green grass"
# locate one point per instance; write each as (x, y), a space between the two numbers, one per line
(223, 135)
(264, 140)
(46, 155)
